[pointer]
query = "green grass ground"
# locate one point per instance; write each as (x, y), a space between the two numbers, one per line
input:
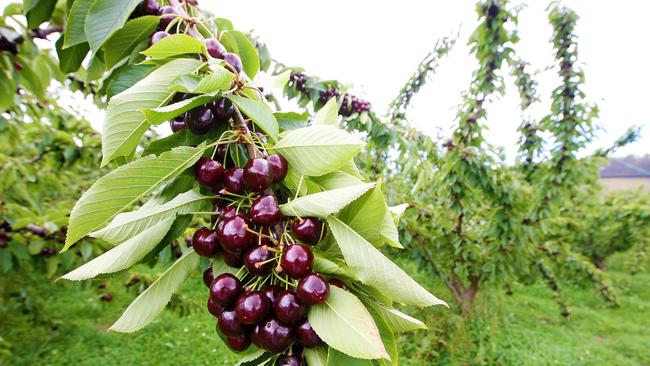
(523, 329)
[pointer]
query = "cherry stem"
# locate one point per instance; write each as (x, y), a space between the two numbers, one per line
(181, 11)
(272, 239)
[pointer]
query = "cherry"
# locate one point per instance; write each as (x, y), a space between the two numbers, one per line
(177, 123)
(297, 260)
(306, 335)
(229, 324)
(205, 242)
(234, 259)
(149, 7)
(307, 230)
(234, 234)
(48, 252)
(271, 292)
(208, 172)
(278, 166)
(233, 180)
(338, 283)
(255, 259)
(157, 37)
(239, 344)
(199, 120)
(215, 48)
(313, 289)
(258, 175)
(233, 60)
(252, 307)
(288, 307)
(165, 13)
(214, 308)
(272, 335)
(286, 360)
(208, 276)
(231, 211)
(265, 210)
(223, 110)
(224, 289)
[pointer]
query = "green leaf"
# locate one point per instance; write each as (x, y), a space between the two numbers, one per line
(174, 45)
(318, 150)
(366, 214)
(237, 42)
(126, 225)
(322, 204)
(316, 356)
(255, 358)
(323, 264)
(372, 268)
(398, 211)
(259, 112)
(387, 338)
(398, 321)
(124, 123)
(218, 80)
(39, 11)
(152, 301)
(336, 179)
(104, 18)
(125, 186)
(75, 26)
(124, 255)
(7, 90)
(122, 42)
(345, 325)
(328, 115)
(336, 358)
(70, 58)
(159, 115)
(127, 78)
(291, 120)
(388, 231)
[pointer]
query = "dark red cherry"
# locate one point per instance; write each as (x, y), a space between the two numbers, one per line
(288, 308)
(215, 48)
(199, 120)
(233, 180)
(258, 175)
(252, 307)
(233, 60)
(232, 211)
(271, 292)
(224, 289)
(166, 15)
(313, 289)
(306, 335)
(234, 259)
(208, 276)
(272, 335)
(214, 308)
(338, 283)
(223, 110)
(257, 261)
(265, 210)
(149, 7)
(229, 324)
(239, 344)
(307, 230)
(178, 123)
(157, 37)
(286, 360)
(279, 166)
(297, 260)
(205, 242)
(234, 234)
(208, 172)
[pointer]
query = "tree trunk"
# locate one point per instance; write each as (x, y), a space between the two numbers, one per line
(464, 296)
(600, 262)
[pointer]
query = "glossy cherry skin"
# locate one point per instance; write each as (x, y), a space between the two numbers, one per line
(239, 344)
(297, 260)
(223, 110)
(288, 308)
(208, 172)
(307, 230)
(234, 234)
(254, 261)
(233, 60)
(199, 120)
(208, 276)
(234, 259)
(165, 12)
(215, 48)
(206, 243)
(157, 37)
(279, 166)
(149, 7)
(233, 180)
(286, 360)
(252, 307)
(177, 124)
(231, 211)
(338, 283)
(214, 308)
(265, 210)
(258, 175)
(225, 289)
(271, 292)
(313, 289)
(229, 324)
(306, 335)
(272, 335)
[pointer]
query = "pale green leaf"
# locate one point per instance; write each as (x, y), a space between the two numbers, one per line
(336, 358)
(398, 211)
(260, 113)
(366, 214)
(398, 321)
(152, 301)
(174, 45)
(104, 18)
(218, 80)
(371, 267)
(318, 150)
(75, 26)
(345, 325)
(274, 81)
(256, 358)
(122, 43)
(237, 42)
(328, 115)
(316, 356)
(388, 231)
(128, 76)
(323, 264)
(336, 179)
(159, 115)
(322, 204)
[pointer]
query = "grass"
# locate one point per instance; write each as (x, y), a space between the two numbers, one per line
(65, 323)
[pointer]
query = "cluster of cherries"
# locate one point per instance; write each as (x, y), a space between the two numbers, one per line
(350, 104)
(5, 238)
